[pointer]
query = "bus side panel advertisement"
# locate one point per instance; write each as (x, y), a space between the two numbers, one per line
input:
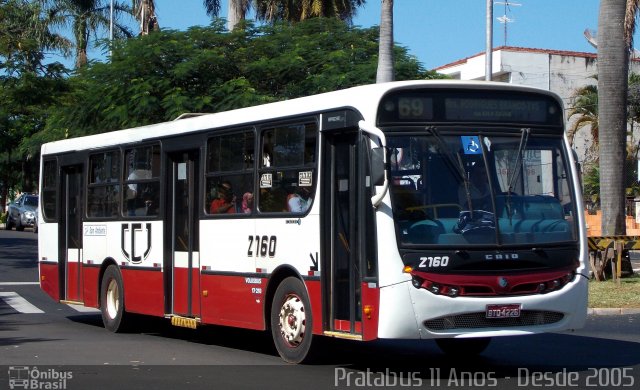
(233, 301)
(143, 291)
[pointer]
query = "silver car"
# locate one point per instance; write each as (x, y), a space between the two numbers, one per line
(23, 212)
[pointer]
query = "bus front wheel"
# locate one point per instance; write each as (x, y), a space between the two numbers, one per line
(112, 300)
(291, 321)
(460, 347)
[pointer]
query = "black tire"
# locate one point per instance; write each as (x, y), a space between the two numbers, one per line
(8, 225)
(292, 335)
(463, 347)
(19, 226)
(114, 315)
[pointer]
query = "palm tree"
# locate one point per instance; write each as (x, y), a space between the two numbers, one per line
(585, 109)
(295, 11)
(385, 51)
(145, 13)
(85, 18)
(613, 66)
(236, 10)
(25, 35)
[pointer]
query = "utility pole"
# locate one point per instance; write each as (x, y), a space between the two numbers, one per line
(489, 42)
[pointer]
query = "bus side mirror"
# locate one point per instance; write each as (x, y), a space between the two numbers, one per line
(377, 166)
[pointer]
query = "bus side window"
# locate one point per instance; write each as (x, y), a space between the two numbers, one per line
(103, 190)
(287, 168)
(142, 181)
(229, 171)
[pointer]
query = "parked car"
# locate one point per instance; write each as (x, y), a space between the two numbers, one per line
(23, 212)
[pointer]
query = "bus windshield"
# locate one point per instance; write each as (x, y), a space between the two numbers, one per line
(463, 188)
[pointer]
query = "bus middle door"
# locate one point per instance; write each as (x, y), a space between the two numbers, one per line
(183, 278)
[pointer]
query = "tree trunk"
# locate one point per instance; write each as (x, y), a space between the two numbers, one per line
(613, 68)
(385, 52)
(237, 12)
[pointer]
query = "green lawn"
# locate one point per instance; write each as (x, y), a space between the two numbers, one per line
(610, 294)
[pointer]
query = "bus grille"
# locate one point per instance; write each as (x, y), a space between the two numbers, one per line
(478, 320)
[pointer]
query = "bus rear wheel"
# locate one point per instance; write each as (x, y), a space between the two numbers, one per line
(461, 347)
(291, 321)
(112, 300)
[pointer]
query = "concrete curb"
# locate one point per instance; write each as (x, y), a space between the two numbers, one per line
(612, 311)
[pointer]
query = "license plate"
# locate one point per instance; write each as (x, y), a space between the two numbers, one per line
(503, 311)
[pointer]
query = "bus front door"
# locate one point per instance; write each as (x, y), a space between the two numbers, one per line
(71, 234)
(183, 281)
(340, 225)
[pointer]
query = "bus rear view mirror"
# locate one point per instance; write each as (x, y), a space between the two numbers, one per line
(377, 166)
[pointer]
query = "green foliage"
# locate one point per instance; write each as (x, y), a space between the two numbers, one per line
(591, 185)
(28, 87)
(155, 78)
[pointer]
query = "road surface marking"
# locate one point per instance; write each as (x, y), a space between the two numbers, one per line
(18, 303)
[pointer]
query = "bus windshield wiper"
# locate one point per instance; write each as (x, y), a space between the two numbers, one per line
(455, 163)
(524, 138)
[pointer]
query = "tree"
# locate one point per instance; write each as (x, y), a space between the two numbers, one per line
(585, 109)
(28, 87)
(295, 11)
(145, 13)
(207, 69)
(613, 56)
(86, 19)
(236, 10)
(385, 57)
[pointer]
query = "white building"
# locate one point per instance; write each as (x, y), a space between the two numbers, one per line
(562, 72)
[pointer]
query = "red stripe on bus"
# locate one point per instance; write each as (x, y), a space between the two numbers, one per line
(90, 289)
(233, 301)
(143, 291)
(370, 299)
(49, 280)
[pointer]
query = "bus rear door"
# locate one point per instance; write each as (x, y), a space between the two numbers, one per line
(70, 234)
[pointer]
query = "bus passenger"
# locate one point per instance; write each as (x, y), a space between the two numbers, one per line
(247, 202)
(299, 201)
(225, 203)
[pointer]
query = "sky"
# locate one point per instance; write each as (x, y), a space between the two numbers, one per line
(439, 32)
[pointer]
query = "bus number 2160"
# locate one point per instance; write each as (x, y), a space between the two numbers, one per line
(434, 262)
(262, 246)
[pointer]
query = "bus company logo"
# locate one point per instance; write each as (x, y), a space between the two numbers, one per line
(502, 256)
(24, 377)
(135, 232)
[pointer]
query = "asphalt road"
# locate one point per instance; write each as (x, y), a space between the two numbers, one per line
(59, 346)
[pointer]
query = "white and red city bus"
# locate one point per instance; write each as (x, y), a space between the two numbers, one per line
(407, 210)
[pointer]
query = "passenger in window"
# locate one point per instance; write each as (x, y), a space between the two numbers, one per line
(247, 202)
(134, 195)
(225, 203)
(299, 201)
